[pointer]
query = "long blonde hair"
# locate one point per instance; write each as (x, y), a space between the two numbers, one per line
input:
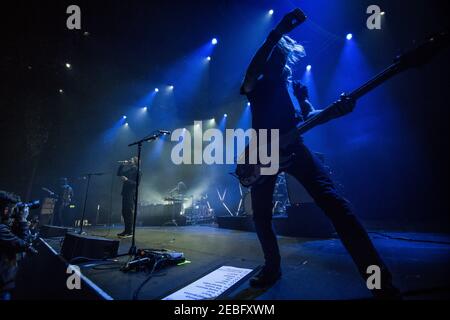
(293, 52)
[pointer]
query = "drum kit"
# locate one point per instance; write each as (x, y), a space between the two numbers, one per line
(196, 209)
(280, 199)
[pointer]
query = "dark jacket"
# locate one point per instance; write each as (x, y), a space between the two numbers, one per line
(13, 240)
(128, 171)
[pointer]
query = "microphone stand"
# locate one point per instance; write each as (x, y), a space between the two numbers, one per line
(88, 175)
(139, 143)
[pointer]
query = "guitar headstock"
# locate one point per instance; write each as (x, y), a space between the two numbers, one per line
(424, 52)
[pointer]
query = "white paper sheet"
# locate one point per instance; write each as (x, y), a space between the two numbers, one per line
(212, 285)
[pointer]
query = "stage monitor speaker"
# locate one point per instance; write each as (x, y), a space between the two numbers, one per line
(47, 231)
(91, 247)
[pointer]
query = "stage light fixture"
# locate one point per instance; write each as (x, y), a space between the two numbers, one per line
(248, 104)
(382, 13)
(308, 67)
(225, 115)
(68, 66)
(171, 87)
(214, 41)
(124, 117)
(208, 58)
(270, 12)
(61, 91)
(349, 36)
(156, 90)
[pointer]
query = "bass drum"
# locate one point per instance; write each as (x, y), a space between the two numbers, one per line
(248, 209)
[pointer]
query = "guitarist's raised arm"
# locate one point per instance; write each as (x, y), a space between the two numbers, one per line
(256, 67)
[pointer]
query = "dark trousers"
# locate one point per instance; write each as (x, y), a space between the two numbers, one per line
(128, 210)
(309, 170)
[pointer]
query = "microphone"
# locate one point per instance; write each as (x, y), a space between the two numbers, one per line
(164, 132)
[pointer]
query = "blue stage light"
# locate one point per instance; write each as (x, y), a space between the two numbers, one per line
(171, 87)
(124, 117)
(248, 104)
(225, 115)
(156, 90)
(126, 124)
(214, 41)
(349, 36)
(208, 58)
(308, 67)
(271, 12)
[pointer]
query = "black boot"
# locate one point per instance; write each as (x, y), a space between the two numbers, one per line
(125, 234)
(265, 278)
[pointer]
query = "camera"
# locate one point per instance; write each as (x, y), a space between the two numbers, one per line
(21, 206)
(31, 205)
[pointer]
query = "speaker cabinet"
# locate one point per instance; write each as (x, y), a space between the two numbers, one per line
(47, 231)
(76, 245)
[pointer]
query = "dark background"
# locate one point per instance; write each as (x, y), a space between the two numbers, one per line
(390, 155)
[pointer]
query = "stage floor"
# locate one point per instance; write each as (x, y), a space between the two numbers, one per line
(312, 268)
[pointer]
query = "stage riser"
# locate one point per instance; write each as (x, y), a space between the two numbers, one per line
(44, 277)
(306, 220)
(159, 215)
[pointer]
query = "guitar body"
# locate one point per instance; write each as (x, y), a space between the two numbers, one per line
(250, 174)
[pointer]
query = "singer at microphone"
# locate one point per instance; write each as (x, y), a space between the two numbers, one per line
(128, 173)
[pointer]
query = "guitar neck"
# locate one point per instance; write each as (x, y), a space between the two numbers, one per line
(355, 94)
